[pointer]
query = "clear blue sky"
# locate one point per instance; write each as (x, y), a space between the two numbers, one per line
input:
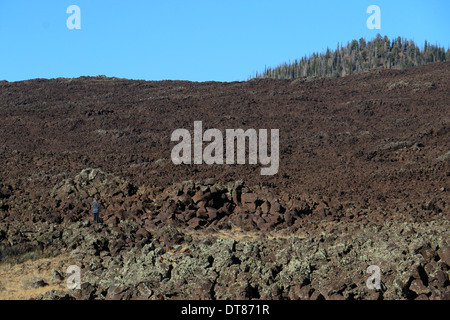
(221, 40)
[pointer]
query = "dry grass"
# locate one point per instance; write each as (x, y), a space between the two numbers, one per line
(239, 235)
(16, 279)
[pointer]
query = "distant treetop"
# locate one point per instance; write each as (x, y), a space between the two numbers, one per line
(359, 56)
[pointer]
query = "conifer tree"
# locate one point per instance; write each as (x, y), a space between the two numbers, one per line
(359, 56)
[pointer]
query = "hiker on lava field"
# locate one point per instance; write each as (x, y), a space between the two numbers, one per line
(95, 208)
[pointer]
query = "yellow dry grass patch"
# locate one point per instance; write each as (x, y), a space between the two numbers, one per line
(238, 234)
(15, 279)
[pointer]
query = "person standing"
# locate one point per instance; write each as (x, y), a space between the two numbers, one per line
(95, 208)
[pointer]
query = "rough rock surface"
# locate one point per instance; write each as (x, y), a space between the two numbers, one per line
(363, 180)
(153, 255)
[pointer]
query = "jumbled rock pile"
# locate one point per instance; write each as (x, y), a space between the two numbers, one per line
(190, 204)
(209, 204)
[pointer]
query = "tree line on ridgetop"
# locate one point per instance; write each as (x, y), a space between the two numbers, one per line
(359, 56)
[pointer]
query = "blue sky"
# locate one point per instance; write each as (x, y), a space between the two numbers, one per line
(221, 40)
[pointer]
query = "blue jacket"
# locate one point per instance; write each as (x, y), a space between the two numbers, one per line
(95, 206)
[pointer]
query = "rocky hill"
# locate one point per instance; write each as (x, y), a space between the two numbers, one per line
(363, 180)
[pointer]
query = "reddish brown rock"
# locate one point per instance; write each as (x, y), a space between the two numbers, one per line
(142, 233)
(316, 295)
(290, 217)
(166, 214)
(87, 292)
(118, 293)
(188, 214)
(196, 223)
(430, 267)
(298, 292)
(265, 207)
(275, 207)
(199, 196)
(274, 219)
(249, 197)
(185, 199)
(444, 254)
(321, 210)
(427, 252)
(442, 279)
(202, 213)
(418, 287)
(211, 213)
(249, 201)
(112, 220)
(336, 297)
(299, 206)
(226, 209)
